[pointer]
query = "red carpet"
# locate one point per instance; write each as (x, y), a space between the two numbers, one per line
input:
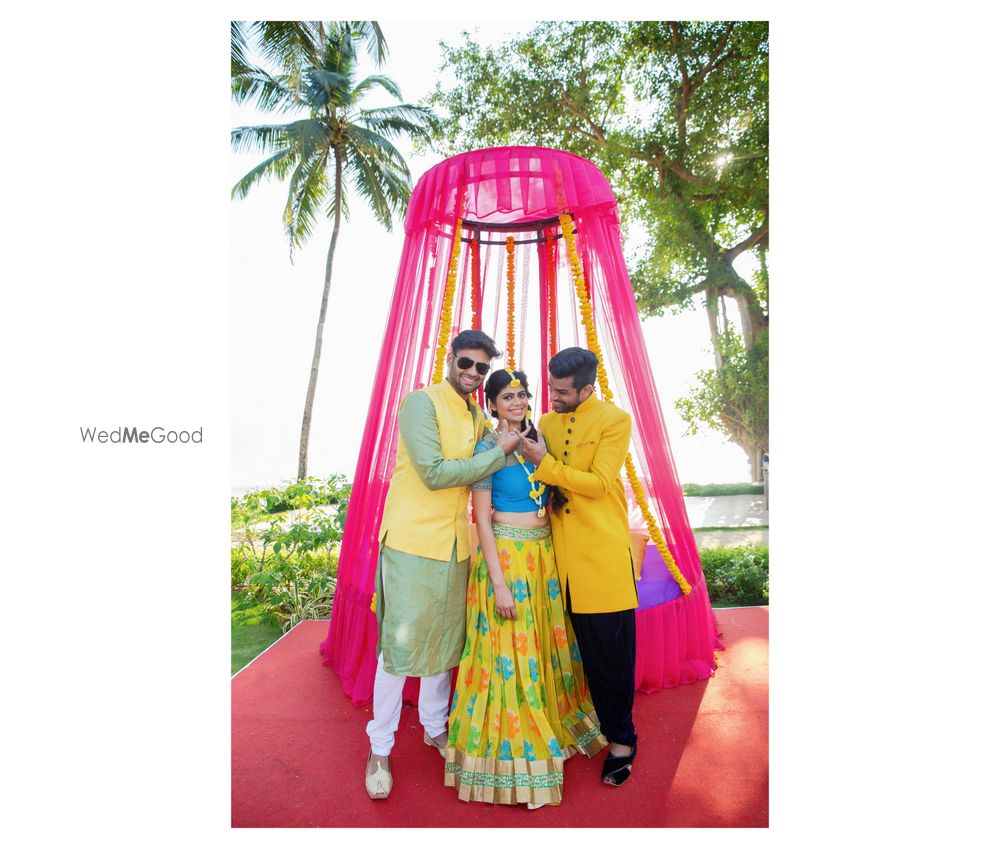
(299, 749)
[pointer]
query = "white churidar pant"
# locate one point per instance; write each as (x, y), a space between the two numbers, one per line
(387, 705)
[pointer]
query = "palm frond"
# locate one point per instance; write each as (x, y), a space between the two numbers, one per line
(384, 184)
(323, 87)
(274, 166)
(338, 51)
(371, 33)
(374, 80)
(372, 144)
(305, 136)
(270, 92)
(263, 137)
(308, 137)
(417, 121)
(307, 187)
(238, 61)
(289, 44)
(365, 179)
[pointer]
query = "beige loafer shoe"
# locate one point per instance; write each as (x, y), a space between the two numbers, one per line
(430, 741)
(378, 781)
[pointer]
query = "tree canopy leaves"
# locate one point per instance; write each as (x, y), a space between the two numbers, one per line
(675, 113)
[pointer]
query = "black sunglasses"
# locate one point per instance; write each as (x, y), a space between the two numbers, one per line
(467, 362)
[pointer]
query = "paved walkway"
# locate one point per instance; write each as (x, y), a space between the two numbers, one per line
(726, 511)
(713, 539)
(743, 514)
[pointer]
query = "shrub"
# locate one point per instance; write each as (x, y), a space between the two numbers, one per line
(298, 587)
(241, 567)
(289, 564)
(736, 576)
(311, 492)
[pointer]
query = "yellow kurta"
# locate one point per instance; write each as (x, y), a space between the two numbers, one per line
(593, 546)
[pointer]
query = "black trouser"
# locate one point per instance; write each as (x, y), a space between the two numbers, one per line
(607, 647)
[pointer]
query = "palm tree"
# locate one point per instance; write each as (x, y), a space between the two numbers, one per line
(337, 139)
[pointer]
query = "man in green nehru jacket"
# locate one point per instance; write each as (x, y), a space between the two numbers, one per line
(423, 567)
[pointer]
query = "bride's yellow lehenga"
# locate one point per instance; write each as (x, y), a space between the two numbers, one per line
(521, 704)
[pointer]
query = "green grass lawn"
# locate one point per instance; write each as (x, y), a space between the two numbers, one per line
(253, 630)
(706, 489)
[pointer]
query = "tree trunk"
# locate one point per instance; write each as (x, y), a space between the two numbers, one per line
(318, 347)
(755, 456)
(712, 310)
(752, 318)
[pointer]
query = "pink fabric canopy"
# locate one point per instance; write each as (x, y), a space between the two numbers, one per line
(519, 191)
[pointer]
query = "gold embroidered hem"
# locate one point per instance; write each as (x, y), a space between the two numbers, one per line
(586, 731)
(503, 782)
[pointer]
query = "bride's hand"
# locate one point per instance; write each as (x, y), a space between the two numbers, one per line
(505, 601)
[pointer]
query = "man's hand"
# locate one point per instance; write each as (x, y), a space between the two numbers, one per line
(534, 451)
(508, 439)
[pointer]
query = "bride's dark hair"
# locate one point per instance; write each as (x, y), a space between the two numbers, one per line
(497, 382)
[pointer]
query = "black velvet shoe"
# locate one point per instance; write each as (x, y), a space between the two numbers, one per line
(618, 768)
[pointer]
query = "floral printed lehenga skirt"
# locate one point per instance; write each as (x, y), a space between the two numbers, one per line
(521, 704)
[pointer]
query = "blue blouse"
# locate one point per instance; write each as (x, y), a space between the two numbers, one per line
(510, 486)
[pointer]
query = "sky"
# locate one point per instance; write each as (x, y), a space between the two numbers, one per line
(275, 305)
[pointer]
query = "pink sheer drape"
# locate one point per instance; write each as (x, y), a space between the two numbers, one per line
(507, 186)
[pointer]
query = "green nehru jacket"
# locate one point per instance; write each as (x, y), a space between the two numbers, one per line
(420, 601)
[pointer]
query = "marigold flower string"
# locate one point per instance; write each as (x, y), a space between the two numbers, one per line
(449, 297)
(552, 295)
(654, 529)
(510, 302)
(538, 488)
(587, 316)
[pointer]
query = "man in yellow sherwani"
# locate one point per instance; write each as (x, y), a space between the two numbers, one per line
(581, 450)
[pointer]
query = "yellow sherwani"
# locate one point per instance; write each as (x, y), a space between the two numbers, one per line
(593, 546)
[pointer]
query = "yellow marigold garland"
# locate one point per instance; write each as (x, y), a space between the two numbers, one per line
(587, 314)
(586, 311)
(654, 529)
(449, 297)
(552, 297)
(510, 302)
